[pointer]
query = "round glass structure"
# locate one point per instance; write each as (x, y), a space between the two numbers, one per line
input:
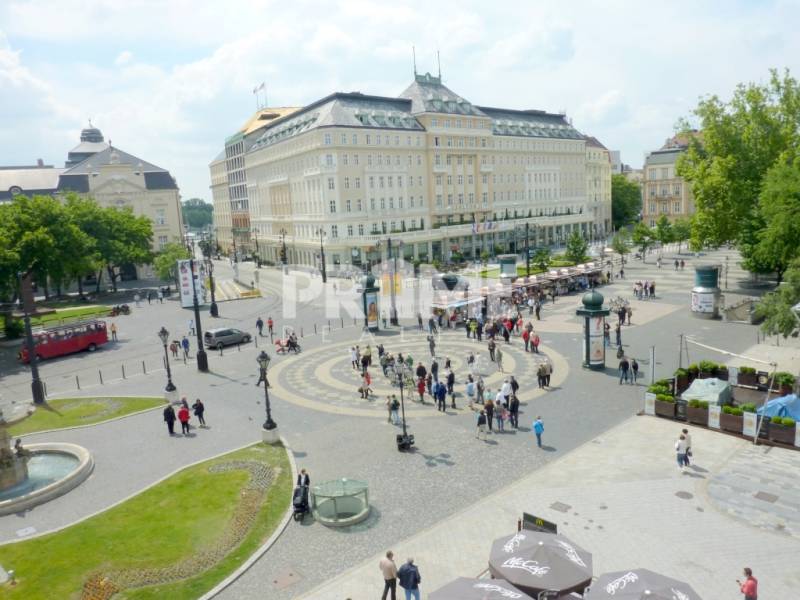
(340, 502)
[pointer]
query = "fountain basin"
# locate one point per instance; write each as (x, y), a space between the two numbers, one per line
(53, 469)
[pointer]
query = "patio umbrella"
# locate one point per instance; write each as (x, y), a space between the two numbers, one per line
(535, 561)
(639, 584)
(465, 588)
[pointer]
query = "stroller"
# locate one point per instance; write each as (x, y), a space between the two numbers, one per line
(300, 502)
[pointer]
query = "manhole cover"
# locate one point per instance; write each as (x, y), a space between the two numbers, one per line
(284, 580)
(765, 496)
(684, 495)
(560, 507)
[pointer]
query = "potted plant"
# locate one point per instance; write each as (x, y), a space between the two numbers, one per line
(693, 370)
(731, 419)
(781, 430)
(747, 376)
(722, 372)
(682, 380)
(697, 412)
(784, 382)
(665, 406)
(708, 369)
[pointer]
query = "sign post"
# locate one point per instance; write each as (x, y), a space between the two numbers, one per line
(534, 523)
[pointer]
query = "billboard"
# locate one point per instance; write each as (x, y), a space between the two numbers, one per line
(371, 302)
(185, 280)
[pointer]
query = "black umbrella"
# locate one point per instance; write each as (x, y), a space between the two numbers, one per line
(535, 561)
(465, 588)
(639, 584)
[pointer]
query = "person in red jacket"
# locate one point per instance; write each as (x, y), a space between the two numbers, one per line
(421, 389)
(183, 417)
(750, 586)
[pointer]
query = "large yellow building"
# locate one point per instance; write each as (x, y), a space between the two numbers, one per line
(664, 192)
(429, 169)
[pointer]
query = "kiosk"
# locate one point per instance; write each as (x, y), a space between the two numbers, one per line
(369, 299)
(594, 320)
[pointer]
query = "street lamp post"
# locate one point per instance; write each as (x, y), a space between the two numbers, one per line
(404, 441)
(26, 299)
(527, 250)
(258, 253)
(321, 233)
(270, 427)
(283, 244)
(164, 335)
(202, 359)
(214, 309)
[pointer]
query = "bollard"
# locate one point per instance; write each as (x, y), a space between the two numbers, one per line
(144, 369)
(315, 329)
(123, 371)
(220, 350)
(99, 372)
(301, 332)
(342, 319)
(239, 347)
(329, 324)
(77, 382)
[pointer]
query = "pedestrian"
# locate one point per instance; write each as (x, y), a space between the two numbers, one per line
(191, 327)
(514, 385)
(421, 389)
(260, 327)
(173, 347)
(538, 310)
(535, 341)
(629, 312)
(471, 362)
(432, 345)
(688, 437)
(652, 289)
(618, 334)
(199, 410)
(160, 296)
(470, 390)
(624, 367)
(498, 357)
(419, 321)
(479, 331)
(750, 586)
(491, 345)
(538, 429)
(607, 335)
(680, 450)
(481, 435)
(505, 390)
(354, 357)
(683, 264)
(480, 388)
(389, 572)
(540, 375)
(113, 332)
(513, 411)
(149, 297)
(441, 396)
(364, 362)
(183, 417)
(499, 411)
(676, 264)
(409, 578)
(634, 371)
(451, 382)
(137, 299)
(548, 371)
(303, 478)
(169, 419)
(395, 408)
(435, 370)
(185, 346)
(489, 408)
(270, 325)
(526, 338)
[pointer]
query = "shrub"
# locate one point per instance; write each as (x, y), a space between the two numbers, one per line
(747, 370)
(14, 329)
(664, 398)
(693, 369)
(659, 389)
(787, 421)
(732, 410)
(783, 378)
(708, 366)
(698, 404)
(681, 373)
(749, 407)
(664, 382)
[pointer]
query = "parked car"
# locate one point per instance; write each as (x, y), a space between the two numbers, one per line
(225, 336)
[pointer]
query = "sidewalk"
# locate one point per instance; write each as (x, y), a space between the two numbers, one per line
(622, 497)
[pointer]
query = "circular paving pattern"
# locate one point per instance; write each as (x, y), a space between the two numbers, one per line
(324, 379)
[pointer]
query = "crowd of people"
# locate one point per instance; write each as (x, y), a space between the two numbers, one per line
(183, 415)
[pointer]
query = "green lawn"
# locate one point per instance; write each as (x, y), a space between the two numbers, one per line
(161, 527)
(69, 412)
(68, 315)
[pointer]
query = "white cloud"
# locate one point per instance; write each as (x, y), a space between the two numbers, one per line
(123, 58)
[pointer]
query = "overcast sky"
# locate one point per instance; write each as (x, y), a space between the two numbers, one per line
(168, 81)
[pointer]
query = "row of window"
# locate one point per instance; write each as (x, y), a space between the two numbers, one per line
(460, 142)
(378, 139)
(676, 207)
(376, 228)
(373, 204)
(665, 172)
(676, 190)
(468, 123)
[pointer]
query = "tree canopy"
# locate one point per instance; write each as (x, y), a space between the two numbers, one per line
(619, 243)
(197, 213)
(663, 231)
(776, 307)
(642, 238)
(165, 262)
(626, 200)
(541, 258)
(576, 247)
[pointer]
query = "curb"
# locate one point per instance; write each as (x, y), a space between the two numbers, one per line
(222, 585)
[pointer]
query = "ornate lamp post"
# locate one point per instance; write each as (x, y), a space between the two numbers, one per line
(214, 309)
(322, 234)
(26, 299)
(284, 257)
(202, 358)
(258, 253)
(404, 441)
(270, 427)
(164, 335)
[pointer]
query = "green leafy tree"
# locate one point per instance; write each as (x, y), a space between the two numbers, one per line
(576, 248)
(681, 231)
(197, 213)
(165, 262)
(626, 200)
(776, 307)
(619, 243)
(663, 232)
(642, 238)
(541, 258)
(726, 164)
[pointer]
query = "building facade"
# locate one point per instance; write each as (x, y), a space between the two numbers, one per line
(664, 192)
(223, 225)
(599, 167)
(442, 177)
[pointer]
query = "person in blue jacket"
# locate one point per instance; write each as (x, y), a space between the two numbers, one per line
(538, 429)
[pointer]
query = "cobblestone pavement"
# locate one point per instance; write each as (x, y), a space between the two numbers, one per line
(621, 497)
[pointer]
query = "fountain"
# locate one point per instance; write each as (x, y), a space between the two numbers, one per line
(38, 473)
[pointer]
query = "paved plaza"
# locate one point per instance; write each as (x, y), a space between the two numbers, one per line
(617, 460)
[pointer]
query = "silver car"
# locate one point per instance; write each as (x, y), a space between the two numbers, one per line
(225, 336)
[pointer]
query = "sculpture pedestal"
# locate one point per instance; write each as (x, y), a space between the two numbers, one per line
(14, 473)
(270, 436)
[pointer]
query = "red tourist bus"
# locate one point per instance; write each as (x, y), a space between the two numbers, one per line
(66, 339)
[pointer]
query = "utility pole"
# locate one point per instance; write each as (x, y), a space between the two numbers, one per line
(527, 251)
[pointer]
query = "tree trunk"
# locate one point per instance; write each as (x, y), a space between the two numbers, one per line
(80, 286)
(99, 280)
(46, 289)
(113, 276)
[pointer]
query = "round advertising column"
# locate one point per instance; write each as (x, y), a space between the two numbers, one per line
(706, 292)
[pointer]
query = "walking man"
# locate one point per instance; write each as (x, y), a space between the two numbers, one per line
(535, 341)
(513, 411)
(432, 345)
(498, 357)
(688, 438)
(680, 451)
(624, 367)
(169, 419)
(489, 408)
(481, 425)
(410, 579)
(538, 429)
(441, 396)
(270, 325)
(185, 346)
(491, 347)
(618, 333)
(634, 371)
(114, 332)
(199, 411)
(435, 370)
(260, 327)
(160, 296)
(548, 371)
(389, 571)
(451, 382)
(750, 586)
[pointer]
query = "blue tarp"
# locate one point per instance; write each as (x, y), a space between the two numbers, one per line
(785, 406)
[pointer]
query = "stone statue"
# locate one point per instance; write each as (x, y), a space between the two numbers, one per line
(13, 469)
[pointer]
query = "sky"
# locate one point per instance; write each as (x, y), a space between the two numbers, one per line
(168, 81)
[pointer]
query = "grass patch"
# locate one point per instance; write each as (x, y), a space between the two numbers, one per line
(160, 527)
(70, 314)
(70, 412)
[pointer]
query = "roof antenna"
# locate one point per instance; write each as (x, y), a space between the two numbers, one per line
(414, 56)
(439, 63)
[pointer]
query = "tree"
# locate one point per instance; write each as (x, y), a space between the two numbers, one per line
(576, 248)
(663, 232)
(165, 262)
(681, 231)
(776, 307)
(541, 258)
(642, 238)
(197, 213)
(726, 164)
(619, 244)
(626, 200)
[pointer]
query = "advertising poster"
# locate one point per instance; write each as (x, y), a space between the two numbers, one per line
(398, 284)
(713, 415)
(371, 300)
(185, 281)
(597, 353)
(749, 424)
(797, 436)
(702, 302)
(649, 403)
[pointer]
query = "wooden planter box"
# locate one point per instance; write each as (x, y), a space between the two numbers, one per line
(698, 416)
(730, 422)
(665, 409)
(748, 379)
(705, 375)
(682, 384)
(781, 434)
(723, 374)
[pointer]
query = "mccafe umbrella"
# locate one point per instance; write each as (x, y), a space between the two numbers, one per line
(535, 561)
(465, 588)
(639, 584)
